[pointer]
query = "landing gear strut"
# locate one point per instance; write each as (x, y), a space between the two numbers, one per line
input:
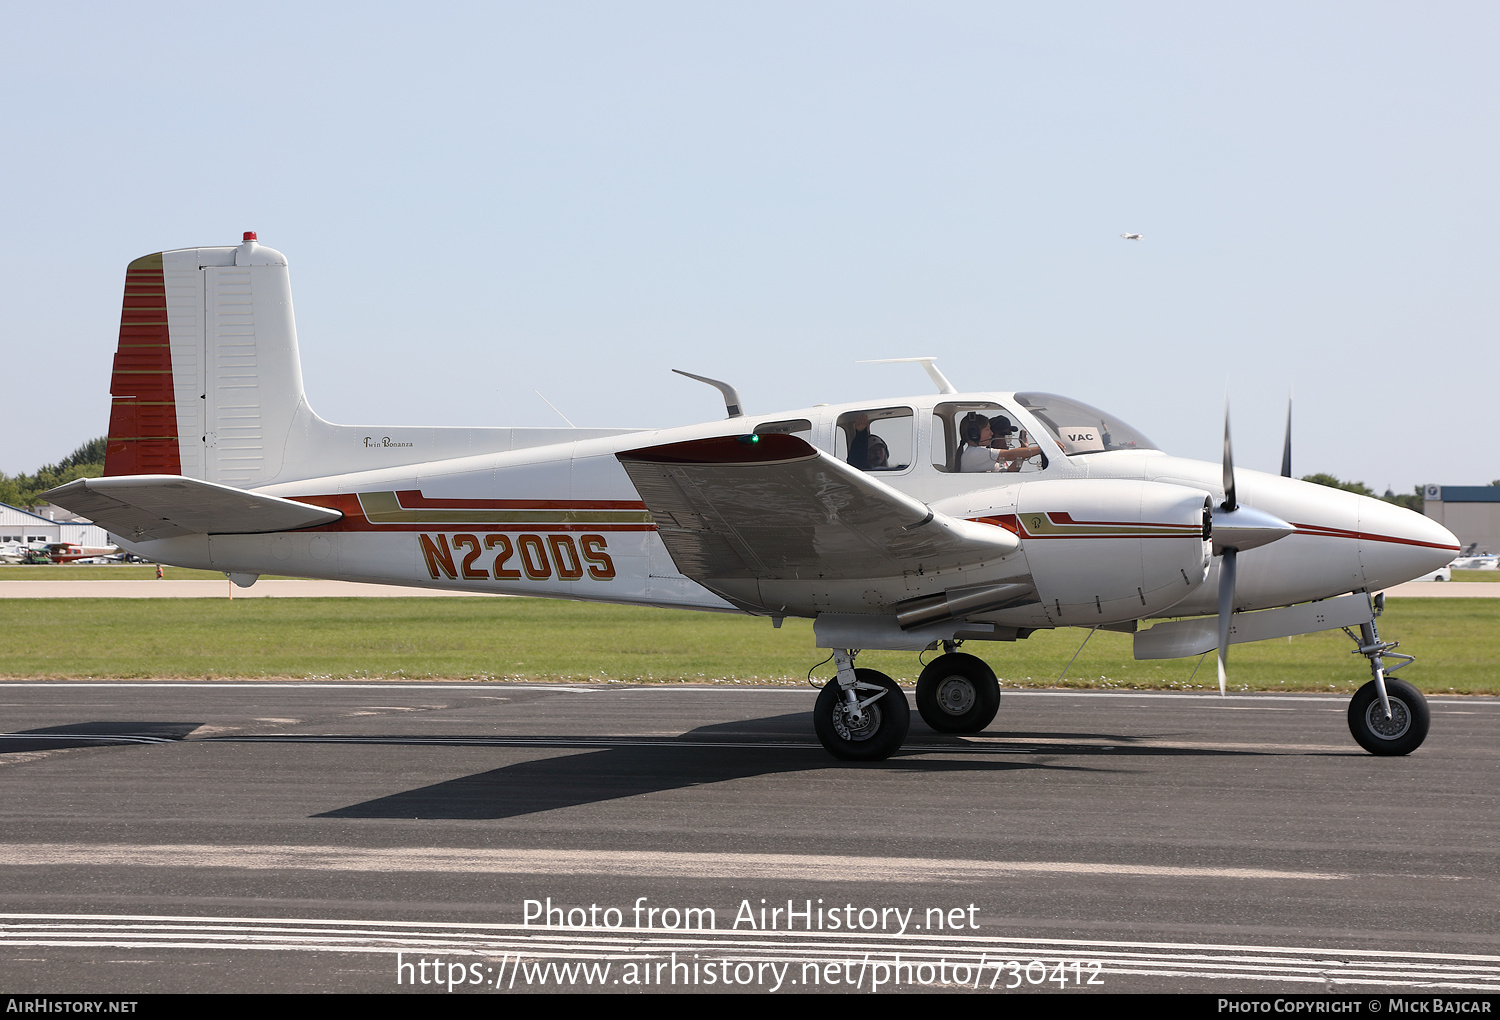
(1386, 716)
(958, 693)
(861, 714)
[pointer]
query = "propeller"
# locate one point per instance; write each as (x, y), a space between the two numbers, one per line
(1235, 529)
(1286, 446)
(1227, 561)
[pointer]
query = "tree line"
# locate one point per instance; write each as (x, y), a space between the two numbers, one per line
(26, 490)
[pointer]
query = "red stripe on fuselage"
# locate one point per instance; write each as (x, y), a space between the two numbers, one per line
(1063, 517)
(1012, 524)
(354, 518)
(1319, 531)
(412, 499)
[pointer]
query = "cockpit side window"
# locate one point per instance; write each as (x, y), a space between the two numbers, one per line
(981, 436)
(878, 439)
(1079, 428)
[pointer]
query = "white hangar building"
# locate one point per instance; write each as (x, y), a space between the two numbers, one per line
(26, 528)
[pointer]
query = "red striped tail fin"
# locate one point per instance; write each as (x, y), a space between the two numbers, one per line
(142, 436)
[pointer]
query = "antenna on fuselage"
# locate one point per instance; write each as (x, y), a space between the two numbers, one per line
(553, 406)
(731, 395)
(943, 385)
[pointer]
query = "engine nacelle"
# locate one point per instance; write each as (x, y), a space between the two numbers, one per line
(1111, 550)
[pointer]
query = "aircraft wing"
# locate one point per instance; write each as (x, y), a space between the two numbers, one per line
(145, 507)
(777, 508)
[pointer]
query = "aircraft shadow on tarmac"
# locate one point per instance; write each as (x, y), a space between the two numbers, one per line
(745, 749)
(94, 734)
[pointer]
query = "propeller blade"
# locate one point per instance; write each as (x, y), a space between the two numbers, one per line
(1226, 608)
(1286, 447)
(1230, 503)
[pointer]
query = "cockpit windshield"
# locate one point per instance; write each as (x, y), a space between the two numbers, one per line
(1079, 428)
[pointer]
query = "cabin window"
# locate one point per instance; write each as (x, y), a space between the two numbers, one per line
(877, 439)
(955, 430)
(1079, 428)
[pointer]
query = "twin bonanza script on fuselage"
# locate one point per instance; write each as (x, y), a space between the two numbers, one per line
(908, 523)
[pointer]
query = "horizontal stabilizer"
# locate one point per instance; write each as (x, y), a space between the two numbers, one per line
(141, 508)
(1179, 638)
(774, 507)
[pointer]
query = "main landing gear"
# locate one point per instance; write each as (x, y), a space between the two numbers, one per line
(958, 693)
(1386, 716)
(861, 714)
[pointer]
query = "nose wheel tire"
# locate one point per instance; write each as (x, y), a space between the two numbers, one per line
(1403, 732)
(883, 728)
(958, 693)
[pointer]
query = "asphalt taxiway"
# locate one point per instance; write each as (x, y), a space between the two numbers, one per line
(227, 836)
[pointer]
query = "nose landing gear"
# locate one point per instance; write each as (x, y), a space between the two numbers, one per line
(1386, 716)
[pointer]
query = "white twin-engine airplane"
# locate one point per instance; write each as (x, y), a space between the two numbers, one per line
(907, 523)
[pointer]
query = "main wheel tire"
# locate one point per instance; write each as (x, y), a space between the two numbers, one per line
(1403, 732)
(958, 693)
(885, 724)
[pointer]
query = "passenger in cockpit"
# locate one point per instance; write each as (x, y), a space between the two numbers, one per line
(859, 443)
(1011, 458)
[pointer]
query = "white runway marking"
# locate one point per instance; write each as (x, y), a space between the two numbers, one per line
(983, 959)
(1199, 699)
(394, 685)
(649, 864)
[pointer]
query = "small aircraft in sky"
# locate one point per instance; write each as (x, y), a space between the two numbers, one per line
(1133, 237)
(911, 523)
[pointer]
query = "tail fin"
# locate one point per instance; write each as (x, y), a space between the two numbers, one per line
(208, 383)
(207, 378)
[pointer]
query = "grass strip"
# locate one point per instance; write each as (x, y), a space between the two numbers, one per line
(1457, 642)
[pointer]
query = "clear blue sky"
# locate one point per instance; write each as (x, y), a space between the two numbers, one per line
(479, 200)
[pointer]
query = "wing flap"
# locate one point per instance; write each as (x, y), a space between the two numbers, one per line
(775, 508)
(141, 508)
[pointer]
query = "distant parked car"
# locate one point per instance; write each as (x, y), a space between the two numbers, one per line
(1440, 574)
